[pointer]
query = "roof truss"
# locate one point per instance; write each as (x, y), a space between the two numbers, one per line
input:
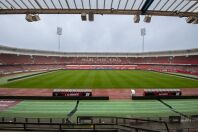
(181, 8)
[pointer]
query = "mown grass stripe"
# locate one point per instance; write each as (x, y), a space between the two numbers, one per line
(103, 79)
(124, 108)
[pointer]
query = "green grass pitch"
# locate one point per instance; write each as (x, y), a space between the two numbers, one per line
(103, 79)
(119, 108)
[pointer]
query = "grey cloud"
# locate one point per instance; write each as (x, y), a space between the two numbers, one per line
(106, 34)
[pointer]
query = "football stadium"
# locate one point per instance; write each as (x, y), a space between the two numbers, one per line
(147, 91)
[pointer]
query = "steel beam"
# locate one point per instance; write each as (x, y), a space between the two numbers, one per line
(191, 6)
(140, 4)
(164, 4)
(46, 4)
(89, 4)
(133, 4)
(4, 5)
(184, 6)
(17, 4)
(24, 3)
(96, 11)
(126, 4)
(75, 4)
(96, 4)
(82, 4)
(146, 5)
(38, 4)
(118, 4)
(178, 5)
(12, 6)
(194, 9)
(53, 4)
(67, 4)
(171, 5)
(111, 4)
(157, 4)
(104, 4)
(60, 4)
(32, 4)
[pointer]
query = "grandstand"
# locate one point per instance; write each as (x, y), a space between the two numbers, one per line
(14, 60)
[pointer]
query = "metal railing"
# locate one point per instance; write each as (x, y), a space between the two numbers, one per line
(91, 123)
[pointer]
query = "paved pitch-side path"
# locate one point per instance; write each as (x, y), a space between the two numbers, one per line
(112, 93)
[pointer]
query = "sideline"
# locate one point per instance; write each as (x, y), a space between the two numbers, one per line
(172, 74)
(12, 78)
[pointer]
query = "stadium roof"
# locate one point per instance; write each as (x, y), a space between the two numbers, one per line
(20, 51)
(181, 8)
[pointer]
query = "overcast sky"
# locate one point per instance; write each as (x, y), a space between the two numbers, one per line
(106, 34)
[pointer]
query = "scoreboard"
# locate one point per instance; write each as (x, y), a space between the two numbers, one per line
(162, 92)
(72, 92)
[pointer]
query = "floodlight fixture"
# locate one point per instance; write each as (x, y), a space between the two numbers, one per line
(143, 33)
(59, 30)
(136, 19)
(29, 17)
(195, 21)
(190, 19)
(147, 19)
(91, 17)
(32, 17)
(35, 17)
(83, 16)
(59, 33)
